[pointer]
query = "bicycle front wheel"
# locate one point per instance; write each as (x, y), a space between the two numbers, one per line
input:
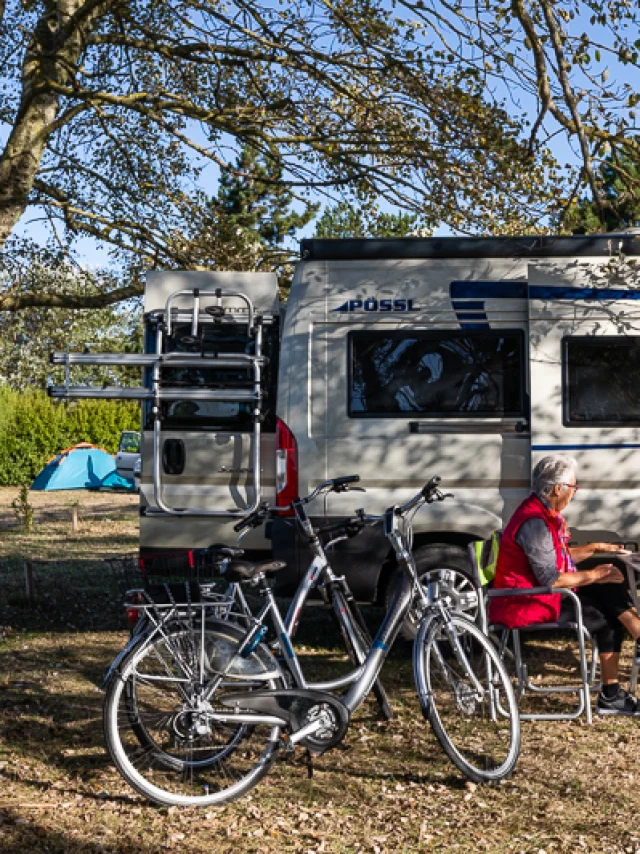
(161, 727)
(467, 697)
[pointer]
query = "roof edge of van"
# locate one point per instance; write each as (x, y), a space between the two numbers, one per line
(534, 246)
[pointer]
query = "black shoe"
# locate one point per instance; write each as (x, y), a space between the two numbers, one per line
(622, 704)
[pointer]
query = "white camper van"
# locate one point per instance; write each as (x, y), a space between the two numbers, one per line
(398, 359)
(466, 358)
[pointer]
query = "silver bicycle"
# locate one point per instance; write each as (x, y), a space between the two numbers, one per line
(197, 714)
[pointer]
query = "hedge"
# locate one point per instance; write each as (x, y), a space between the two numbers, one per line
(33, 428)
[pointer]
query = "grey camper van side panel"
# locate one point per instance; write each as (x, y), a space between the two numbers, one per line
(585, 360)
(338, 293)
(486, 465)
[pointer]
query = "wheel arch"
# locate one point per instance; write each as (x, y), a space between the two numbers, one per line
(457, 539)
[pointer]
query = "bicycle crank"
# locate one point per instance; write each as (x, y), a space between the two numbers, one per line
(315, 719)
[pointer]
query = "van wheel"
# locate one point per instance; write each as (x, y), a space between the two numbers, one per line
(445, 570)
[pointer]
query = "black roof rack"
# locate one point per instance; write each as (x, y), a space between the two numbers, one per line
(532, 246)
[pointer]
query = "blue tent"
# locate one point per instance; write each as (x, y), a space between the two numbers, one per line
(81, 467)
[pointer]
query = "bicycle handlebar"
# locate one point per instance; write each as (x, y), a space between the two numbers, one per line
(262, 513)
(427, 495)
(336, 484)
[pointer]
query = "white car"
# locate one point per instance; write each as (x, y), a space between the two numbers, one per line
(137, 470)
(128, 453)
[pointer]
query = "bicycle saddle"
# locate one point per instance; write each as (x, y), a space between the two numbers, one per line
(222, 550)
(244, 570)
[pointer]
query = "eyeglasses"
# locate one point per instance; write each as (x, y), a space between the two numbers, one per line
(573, 486)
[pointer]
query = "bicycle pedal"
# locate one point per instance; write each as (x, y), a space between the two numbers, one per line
(287, 746)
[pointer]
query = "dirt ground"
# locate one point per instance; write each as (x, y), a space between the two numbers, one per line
(575, 788)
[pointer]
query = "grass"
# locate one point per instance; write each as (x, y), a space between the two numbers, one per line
(576, 787)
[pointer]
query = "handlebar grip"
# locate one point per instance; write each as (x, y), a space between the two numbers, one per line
(343, 481)
(340, 484)
(429, 487)
(253, 520)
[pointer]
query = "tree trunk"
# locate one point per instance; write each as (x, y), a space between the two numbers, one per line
(50, 59)
(21, 159)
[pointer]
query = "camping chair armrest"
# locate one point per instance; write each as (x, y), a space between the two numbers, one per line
(504, 592)
(508, 592)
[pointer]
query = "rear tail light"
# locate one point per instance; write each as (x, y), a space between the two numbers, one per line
(286, 467)
(133, 614)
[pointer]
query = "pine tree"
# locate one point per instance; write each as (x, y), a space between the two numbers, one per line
(253, 221)
(619, 182)
(347, 220)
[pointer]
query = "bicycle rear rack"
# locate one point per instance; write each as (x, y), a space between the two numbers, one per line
(157, 390)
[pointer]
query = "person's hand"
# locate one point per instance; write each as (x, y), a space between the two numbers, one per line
(606, 573)
(617, 548)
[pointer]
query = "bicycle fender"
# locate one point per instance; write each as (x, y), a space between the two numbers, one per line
(220, 653)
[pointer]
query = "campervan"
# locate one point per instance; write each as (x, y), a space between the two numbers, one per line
(469, 358)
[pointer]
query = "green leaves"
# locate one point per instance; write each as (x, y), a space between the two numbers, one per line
(35, 428)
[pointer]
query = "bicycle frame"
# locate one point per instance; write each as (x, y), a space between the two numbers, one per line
(359, 681)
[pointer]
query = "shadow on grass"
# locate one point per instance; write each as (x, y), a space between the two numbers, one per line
(67, 595)
(19, 835)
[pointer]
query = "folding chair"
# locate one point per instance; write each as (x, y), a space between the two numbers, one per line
(586, 669)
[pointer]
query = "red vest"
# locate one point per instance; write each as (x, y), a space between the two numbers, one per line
(513, 570)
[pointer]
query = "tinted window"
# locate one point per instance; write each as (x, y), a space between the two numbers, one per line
(601, 380)
(219, 415)
(436, 373)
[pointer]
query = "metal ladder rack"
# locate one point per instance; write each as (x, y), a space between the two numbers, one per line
(157, 392)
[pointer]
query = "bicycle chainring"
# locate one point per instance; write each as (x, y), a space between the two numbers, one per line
(334, 717)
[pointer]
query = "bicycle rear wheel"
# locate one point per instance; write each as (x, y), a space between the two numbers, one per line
(467, 697)
(161, 733)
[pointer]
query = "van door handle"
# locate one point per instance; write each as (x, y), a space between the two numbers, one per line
(173, 456)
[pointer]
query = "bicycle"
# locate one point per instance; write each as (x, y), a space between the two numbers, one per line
(230, 603)
(207, 742)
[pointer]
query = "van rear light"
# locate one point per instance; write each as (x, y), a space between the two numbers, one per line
(286, 467)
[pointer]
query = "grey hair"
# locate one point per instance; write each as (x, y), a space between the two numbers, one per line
(550, 470)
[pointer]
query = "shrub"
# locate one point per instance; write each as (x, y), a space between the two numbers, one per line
(34, 428)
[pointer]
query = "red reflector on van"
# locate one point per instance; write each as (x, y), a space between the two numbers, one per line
(286, 467)
(180, 563)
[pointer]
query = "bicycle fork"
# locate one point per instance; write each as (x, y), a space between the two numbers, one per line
(467, 677)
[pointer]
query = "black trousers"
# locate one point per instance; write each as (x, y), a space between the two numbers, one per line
(602, 604)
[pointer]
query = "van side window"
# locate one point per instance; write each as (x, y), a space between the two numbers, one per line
(601, 380)
(446, 373)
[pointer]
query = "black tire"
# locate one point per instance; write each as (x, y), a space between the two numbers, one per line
(475, 719)
(166, 751)
(447, 567)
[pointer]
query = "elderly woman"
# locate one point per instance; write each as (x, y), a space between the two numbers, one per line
(534, 552)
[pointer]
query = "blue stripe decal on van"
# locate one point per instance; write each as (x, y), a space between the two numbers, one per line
(597, 294)
(513, 289)
(582, 447)
(471, 314)
(509, 289)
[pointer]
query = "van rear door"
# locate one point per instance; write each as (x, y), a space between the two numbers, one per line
(206, 445)
(585, 396)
